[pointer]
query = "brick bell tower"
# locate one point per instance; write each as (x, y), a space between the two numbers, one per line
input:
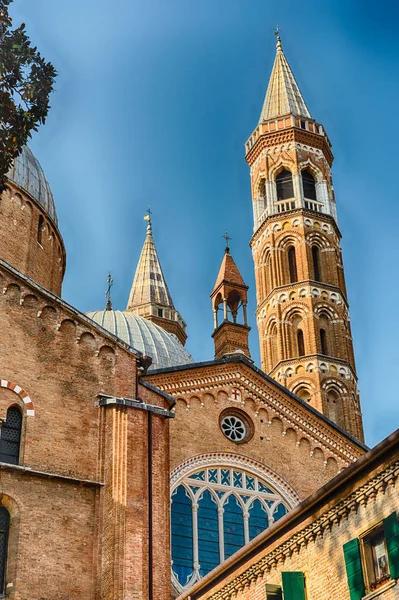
(302, 308)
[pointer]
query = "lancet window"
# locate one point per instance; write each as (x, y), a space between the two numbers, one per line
(285, 186)
(215, 511)
(10, 436)
(309, 185)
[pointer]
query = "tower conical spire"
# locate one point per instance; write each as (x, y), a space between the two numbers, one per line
(149, 296)
(283, 96)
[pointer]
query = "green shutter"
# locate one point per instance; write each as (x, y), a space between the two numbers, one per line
(273, 592)
(354, 569)
(294, 585)
(391, 531)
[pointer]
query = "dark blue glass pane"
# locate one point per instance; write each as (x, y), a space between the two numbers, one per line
(258, 520)
(225, 477)
(182, 535)
(208, 533)
(279, 512)
(233, 526)
(200, 476)
(263, 488)
(213, 475)
(237, 479)
(250, 483)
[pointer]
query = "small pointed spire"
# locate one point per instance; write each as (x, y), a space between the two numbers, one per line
(108, 305)
(283, 96)
(149, 285)
(149, 296)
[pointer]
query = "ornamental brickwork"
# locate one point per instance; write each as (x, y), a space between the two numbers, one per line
(302, 308)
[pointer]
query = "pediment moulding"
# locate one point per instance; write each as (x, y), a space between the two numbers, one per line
(257, 394)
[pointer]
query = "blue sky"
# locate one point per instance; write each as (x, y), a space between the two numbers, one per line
(154, 102)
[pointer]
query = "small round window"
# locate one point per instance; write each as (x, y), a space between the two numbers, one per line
(233, 428)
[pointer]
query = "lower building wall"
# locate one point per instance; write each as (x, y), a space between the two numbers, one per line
(51, 537)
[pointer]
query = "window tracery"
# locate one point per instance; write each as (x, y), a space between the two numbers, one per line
(214, 512)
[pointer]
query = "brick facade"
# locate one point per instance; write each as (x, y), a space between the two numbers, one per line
(86, 502)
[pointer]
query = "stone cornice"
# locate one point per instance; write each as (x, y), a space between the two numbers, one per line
(292, 213)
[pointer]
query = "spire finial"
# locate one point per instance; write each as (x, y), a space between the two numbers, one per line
(148, 218)
(108, 306)
(278, 40)
(227, 238)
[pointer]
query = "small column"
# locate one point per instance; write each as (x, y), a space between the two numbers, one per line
(246, 527)
(196, 563)
(221, 533)
(244, 311)
(225, 309)
(215, 318)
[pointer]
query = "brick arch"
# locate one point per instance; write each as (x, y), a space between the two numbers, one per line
(24, 396)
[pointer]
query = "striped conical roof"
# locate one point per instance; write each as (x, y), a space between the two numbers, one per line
(283, 96)
(149, 285)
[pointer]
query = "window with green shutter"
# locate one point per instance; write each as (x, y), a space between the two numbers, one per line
(354, 570)
(293, 585)
(391, 531)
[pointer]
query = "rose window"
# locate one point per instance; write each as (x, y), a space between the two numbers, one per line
(233, 428)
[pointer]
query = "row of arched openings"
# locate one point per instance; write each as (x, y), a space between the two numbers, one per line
(285, 185)
(301, 342)
(292, 264)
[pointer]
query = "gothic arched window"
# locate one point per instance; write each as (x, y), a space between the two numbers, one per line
(316, 263)
(323, 341)
(4, 529)
(10, 436)
(285, 186)
(292, 265)
(215, 512)
(300, 342)
(309, 185)
(40, 229)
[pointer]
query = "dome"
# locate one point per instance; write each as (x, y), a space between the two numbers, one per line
(27, 174)
(163, 347)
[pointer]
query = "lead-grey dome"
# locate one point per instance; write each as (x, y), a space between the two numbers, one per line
(163, 347)
(27, 174)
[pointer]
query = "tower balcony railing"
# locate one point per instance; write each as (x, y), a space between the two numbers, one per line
(313, 205)
(284, 205)
(291, 204)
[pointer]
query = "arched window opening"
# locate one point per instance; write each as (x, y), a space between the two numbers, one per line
(4, 530)
(285, 187)
(208, 515)
(309, 185)
(10, 436)
(323, 342)
(40, 228)
(300, 342)
(292, 265)
(273, 346)
(333, 407)
(233, 527)
(316, 263)
(304, 394)
(208, 529)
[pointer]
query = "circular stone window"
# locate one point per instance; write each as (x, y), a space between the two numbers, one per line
(236, 426)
